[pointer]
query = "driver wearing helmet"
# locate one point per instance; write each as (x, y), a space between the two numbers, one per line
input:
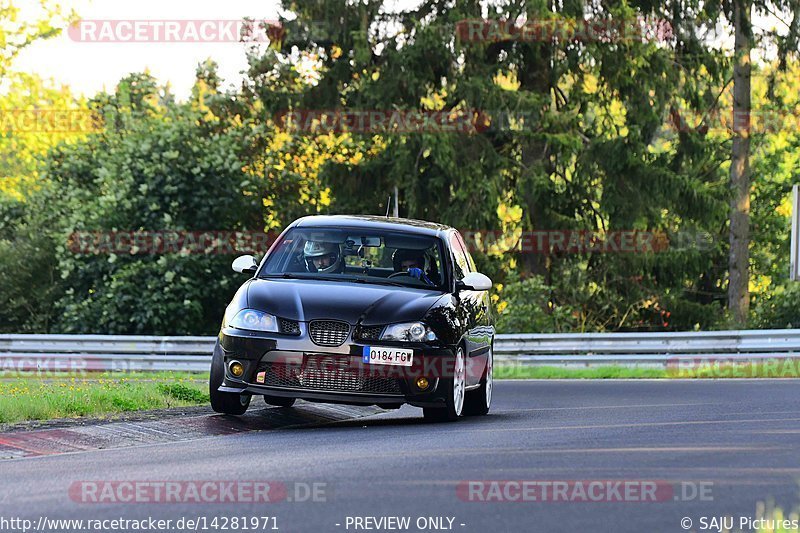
(414, 262)
(322, 257)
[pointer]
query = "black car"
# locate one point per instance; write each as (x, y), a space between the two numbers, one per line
(360, 310)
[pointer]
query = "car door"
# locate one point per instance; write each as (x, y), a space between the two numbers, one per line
(473, 313)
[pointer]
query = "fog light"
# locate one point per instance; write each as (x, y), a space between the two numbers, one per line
(236, 368)
(422, 383)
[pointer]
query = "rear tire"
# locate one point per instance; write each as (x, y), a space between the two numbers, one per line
(279, 401)
(478, 401)
(228, 403)
(454, 399)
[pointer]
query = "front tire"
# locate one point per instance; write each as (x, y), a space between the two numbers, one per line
(454, 400)
(479, 401)
(228, 403)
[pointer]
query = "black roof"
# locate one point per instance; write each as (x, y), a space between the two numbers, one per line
(373, 221)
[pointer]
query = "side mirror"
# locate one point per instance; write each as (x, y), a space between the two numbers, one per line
(474, 281)
(245, 264)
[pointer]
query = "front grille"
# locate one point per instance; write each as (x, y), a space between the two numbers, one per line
(368, 333)
(324, 373)
(327, 373)
(328, 332)
(288, 327)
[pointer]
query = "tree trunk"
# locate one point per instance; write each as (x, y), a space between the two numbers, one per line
(535, 77)
(739, 258)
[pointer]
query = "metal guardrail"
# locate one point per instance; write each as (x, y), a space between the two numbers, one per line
(69, 353)
(646, 349)
(134, 353)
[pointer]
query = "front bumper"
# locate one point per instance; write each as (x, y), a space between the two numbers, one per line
(293, 366)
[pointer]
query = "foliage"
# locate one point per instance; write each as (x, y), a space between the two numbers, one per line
(155, 167)
(24, 144)
(525, 305)
(576, 141)
(29, 286)
(29, 282)
(780, 309)
(17, 31)
(575, 135)
(184, 393)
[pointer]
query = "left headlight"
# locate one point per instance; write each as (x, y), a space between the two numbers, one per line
(409, 331)
(254, 321)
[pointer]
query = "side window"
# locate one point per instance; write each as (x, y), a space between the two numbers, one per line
(470, 262)
(460, 261)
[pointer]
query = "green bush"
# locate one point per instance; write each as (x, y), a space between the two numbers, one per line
(781, 309)
(159, 166)
(184, 393)
(30, 284)
(526, 307)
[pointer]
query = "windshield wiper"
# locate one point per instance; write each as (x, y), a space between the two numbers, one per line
(354, 279)
(284, 275)
(379, 282)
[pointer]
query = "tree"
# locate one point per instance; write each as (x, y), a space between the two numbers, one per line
(158, 166)
(29, 281)
(562, 134)
(20, 149)
(569, 142)
(739, 262)
(740, 13)
(16, 34)
(23, 147)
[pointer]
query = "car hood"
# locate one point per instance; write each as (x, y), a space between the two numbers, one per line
(306, 300)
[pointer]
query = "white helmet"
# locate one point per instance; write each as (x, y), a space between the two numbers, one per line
(316, 250)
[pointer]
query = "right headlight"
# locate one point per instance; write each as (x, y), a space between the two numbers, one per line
(254, 320)
(409, 332)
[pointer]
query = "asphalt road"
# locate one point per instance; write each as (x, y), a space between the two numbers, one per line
(723, 446)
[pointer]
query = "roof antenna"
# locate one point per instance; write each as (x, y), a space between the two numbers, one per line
(388, 205)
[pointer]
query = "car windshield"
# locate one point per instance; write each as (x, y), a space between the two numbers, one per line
(358, 255)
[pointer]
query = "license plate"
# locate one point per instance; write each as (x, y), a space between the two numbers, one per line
(383, 355)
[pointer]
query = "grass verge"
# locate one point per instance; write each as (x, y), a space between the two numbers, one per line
(45, 398)
(555, 372)
(771, 368)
